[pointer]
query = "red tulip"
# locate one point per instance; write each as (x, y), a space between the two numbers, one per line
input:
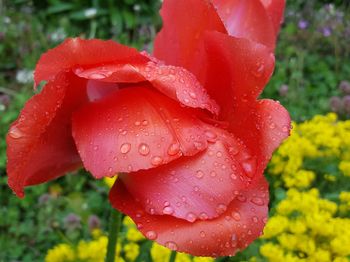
(186, 133)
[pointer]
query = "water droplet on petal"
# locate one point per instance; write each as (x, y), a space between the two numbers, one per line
(236, 216)
(95, 148)
(249, 167)
(173, 149)
(152, 235)
(213, 174)
(125, 148)
(203, 216)
(199, 174)
(202, 234)
(191, 217)
(193, 95)
(257, 201)
(234, 240)
(171, 245)
(285, 129)
(156, 160)
(168, 210)
(210, 136)
(144, 149)
(97, 76)
(255, 219)
(221, 208)
(15, 133)
(144, 122)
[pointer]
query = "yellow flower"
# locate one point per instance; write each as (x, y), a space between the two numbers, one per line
(344, 167)
(273, 252)
(61, 253)
(275, 225)
(132, 251)
(134, 235)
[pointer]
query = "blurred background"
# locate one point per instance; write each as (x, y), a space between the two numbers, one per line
(67, 219)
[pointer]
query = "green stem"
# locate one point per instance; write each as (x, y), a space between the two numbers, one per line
(172, 256)
(114, 227)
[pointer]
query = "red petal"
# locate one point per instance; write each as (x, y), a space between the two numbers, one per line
(175, 82)
(76, 52)
(184, 22)
(247, 19)
(262, 126)
(40, 145)
(275, 10)
(241, 223)
(237, 70)
(134, 128)
(198, 187)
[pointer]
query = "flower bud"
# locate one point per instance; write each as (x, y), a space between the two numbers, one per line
(72, 222)
(344, 86)
(335, 104)
(346, 104)
(94, 222)
(283, 91)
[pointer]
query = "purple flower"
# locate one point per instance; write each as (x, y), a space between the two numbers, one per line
(94, 222)
(326, 31)
(283, 90)
(346, 104)
(72, 222)
(335, 104)
(303, 24)
(344, 86)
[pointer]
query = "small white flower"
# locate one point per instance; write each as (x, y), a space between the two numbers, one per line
(24, 76)
(90, 12)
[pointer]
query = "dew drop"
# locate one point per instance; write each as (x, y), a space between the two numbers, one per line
(171, 245)
(173, 149)
(144, 122)
(260, 68)
(125, 148)
(152, 235)
(156, 160)
(168, 210)
(144, 149)
(202, 234)
(234, 240)
(257, 201)
(210, 135)
(236, 216)
(190, 217)
(193, 95)
(213, 174)
(199, 174)
(272, 126)
(249, 167)
(15, 133)
(95, 148)
(221, 208)
(285, 129)
(255, 219)
(203, 216)
(97, 76)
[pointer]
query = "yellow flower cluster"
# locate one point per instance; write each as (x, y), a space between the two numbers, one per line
(321, 137)
(86, 251)
(305, 228)
(344, 206)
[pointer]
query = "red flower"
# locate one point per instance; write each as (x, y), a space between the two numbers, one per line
(188, 137)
